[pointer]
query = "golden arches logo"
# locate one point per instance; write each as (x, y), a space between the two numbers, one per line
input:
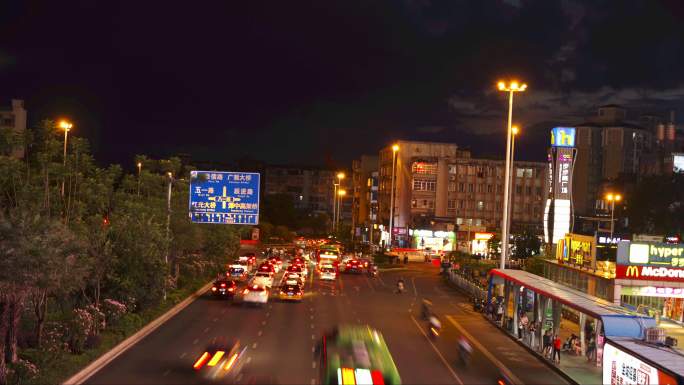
(632, 271)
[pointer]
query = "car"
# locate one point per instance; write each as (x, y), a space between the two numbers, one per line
(221, 362)
(327, 273)
(291, 293)
(293, 281)
(237, 272)
(266, 267)
(223, 288)
(250, 258)
(288, 276)
(255, 293)
(262, 278)
(365, 262)
(274, 262)
(353, 266)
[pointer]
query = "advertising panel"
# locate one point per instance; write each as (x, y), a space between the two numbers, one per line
(654, 261)
(578, 250)
(563, 137)
(622, 368)
(678, 163)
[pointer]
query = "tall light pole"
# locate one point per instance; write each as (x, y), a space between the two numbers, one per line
(612, 198)
(340, 194)
(395, 148)
(514, 130)
(339, 176)
(168, 231)
(512, 87)
(66, 126)
(139, 175)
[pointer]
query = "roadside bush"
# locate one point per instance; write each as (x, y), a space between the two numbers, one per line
(79, 328)
(113, 310)
(22, 371)
(54, 338)
(99, 320)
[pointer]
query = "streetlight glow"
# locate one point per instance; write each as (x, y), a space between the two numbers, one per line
(342, 193)
(618, 198)
(512, 86)
(395, 148)
(65, 125)
(340, 175)
(515, 130)
(609, 197)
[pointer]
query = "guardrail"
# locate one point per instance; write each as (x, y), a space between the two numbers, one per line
(466, 285)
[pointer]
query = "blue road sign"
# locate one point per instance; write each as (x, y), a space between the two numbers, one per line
(224, 197)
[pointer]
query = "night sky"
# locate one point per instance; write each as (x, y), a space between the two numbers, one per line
(321, 82)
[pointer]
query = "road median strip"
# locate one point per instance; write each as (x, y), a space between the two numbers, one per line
(102, 361)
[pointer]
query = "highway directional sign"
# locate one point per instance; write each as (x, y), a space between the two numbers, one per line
(224, 197)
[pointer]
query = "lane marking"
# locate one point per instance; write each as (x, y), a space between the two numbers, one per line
(166, 373)
(313, 349)
(484, 350)
(249, 359)
(206, 330)
(182, 355)
(312, 317)
(312, 326)
(238, 378)
(215, 319)
(260, 333)
(415, 291)
(313, 336)
(263, 323)
(254, 345)
(223, 311)
(313, 381)
(313, 364)
(441, 357)
(195, 341)
(268, 314)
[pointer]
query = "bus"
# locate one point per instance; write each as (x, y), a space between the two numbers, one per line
(355, 354)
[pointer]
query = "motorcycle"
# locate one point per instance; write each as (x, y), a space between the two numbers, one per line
(464, 351)
(478, 305)
(374, 272)
(435, 327)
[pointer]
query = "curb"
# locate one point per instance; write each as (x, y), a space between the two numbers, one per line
(102, 361)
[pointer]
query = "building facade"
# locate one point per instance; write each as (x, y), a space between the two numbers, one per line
(438, 185)
(14, 118)
(310, 188)
(364, 197)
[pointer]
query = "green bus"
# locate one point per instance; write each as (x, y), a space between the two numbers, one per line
(355, 354)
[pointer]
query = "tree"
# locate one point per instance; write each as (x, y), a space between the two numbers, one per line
(525, 245)
(656, 205)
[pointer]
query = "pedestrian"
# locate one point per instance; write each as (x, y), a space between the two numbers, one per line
(556, 349)
(546, 344)
(531, 332)
(499, 313)
(524, 323)
(591, 348)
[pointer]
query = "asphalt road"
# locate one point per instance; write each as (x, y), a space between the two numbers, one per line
(281, 337)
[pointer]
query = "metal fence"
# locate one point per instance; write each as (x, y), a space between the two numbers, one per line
(472, 288)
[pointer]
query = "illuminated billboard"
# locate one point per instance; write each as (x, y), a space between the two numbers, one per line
(563, 137)
(558, 211)
(622, 368)
(652, 261)
(678, 163)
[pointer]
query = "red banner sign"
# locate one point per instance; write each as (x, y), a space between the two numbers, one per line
(649, 273)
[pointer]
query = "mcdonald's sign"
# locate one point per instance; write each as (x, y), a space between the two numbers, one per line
(632, 271)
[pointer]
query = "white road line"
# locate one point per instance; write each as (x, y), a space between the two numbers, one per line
(206, 330)
(313, 364)
(268, 314)
(249, 359)
(182, 355)
(260, 333)
(215, 319)
(413, 281)
(313, 349)
(312, 326)
(238, 378)
(441, 357)
(223, 311)
(195, 341)
(166, 373)
(254, 345)
(263, 323)
(312, 317)
(313, 381)
(313, 336)
(484, 350)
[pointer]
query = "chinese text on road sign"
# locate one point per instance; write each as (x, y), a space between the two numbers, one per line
(224, 197)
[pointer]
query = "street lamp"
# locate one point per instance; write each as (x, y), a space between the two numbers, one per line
(340, 195)
(340, 176)
(139, 174)
(168, 230)
(514, 130)
(511, 88)
(66, 126)
(395, 149)
(612, 198)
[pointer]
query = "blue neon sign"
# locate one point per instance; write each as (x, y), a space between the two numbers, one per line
(563, 137)
(224, 197)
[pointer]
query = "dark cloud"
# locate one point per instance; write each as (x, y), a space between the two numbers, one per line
(307, 81)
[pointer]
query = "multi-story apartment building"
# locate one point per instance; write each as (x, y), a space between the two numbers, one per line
(364, 196)
(310, 188)
(438, 185)
(14, 118)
